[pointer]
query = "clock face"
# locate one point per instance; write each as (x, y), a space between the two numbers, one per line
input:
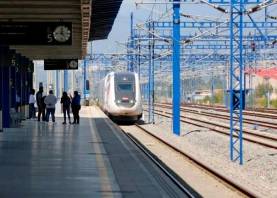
(62, 34)
(73, 64)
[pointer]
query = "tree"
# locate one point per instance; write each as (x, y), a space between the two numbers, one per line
(263, 89)
(274, 103)
(218, 97)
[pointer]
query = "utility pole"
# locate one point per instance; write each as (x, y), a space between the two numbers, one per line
(236, 80)
(131, 44)
(176, 67)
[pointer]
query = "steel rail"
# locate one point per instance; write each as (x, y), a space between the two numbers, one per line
(213, 128)
(248, 111)
(159, 164)
(226, 117)
(206, 167)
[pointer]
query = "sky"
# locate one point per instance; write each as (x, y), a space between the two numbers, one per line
(120, 30)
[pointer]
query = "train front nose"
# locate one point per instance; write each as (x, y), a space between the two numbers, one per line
(125, 102)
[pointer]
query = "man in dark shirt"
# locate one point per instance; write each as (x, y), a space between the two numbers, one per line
(40, 104)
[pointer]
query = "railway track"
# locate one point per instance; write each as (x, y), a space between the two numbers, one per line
(188, 191)
(258, 112)
(264, 110)
(262, 123)
(204, 167)
(162, 166)
(269, 141)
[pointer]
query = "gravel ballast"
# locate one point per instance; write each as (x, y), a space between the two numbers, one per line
(259, 171)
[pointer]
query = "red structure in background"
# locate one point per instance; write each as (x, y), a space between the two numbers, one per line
(264, 72)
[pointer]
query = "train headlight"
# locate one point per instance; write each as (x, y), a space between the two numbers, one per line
(132, 101)
(118, 101)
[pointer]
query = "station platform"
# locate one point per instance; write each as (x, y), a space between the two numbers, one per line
(92, 159)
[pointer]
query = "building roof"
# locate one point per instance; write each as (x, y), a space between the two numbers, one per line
(91, 20)
(267, 73)
(102, 18)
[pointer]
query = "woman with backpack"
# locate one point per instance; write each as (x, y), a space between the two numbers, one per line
(65, 101)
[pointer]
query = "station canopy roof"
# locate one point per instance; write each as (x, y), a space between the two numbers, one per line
(91, 20)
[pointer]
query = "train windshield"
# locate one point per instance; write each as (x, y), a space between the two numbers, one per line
(125, 87)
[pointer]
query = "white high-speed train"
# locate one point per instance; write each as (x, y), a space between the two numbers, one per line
(119, 96)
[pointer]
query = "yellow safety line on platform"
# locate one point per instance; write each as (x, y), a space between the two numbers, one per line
(103, 172)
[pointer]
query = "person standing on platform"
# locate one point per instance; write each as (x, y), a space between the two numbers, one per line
(76, 106)
(66, 101)
(40, 104)
(32, 101)
(50, 102)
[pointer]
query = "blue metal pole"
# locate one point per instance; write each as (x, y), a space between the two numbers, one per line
(85, 77)
(231, 79)
(152, 77)
(236, 80)
(132, 45)
(176, 67)
(241, 83)
(149, 85)
(149, 77)
(65, 80)
(266, 30)
(57, 84)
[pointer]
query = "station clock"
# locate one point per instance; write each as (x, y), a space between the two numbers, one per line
(73, 64)
(62, 33)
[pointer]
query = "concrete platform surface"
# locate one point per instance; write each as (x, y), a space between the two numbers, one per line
(92, 159)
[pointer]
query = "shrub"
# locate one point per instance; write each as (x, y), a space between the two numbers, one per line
(262, 89)
(273, 103)
(218, 97)
(260, 102)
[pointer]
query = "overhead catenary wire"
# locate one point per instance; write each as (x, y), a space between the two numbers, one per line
(192, 40)
(261, 6)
